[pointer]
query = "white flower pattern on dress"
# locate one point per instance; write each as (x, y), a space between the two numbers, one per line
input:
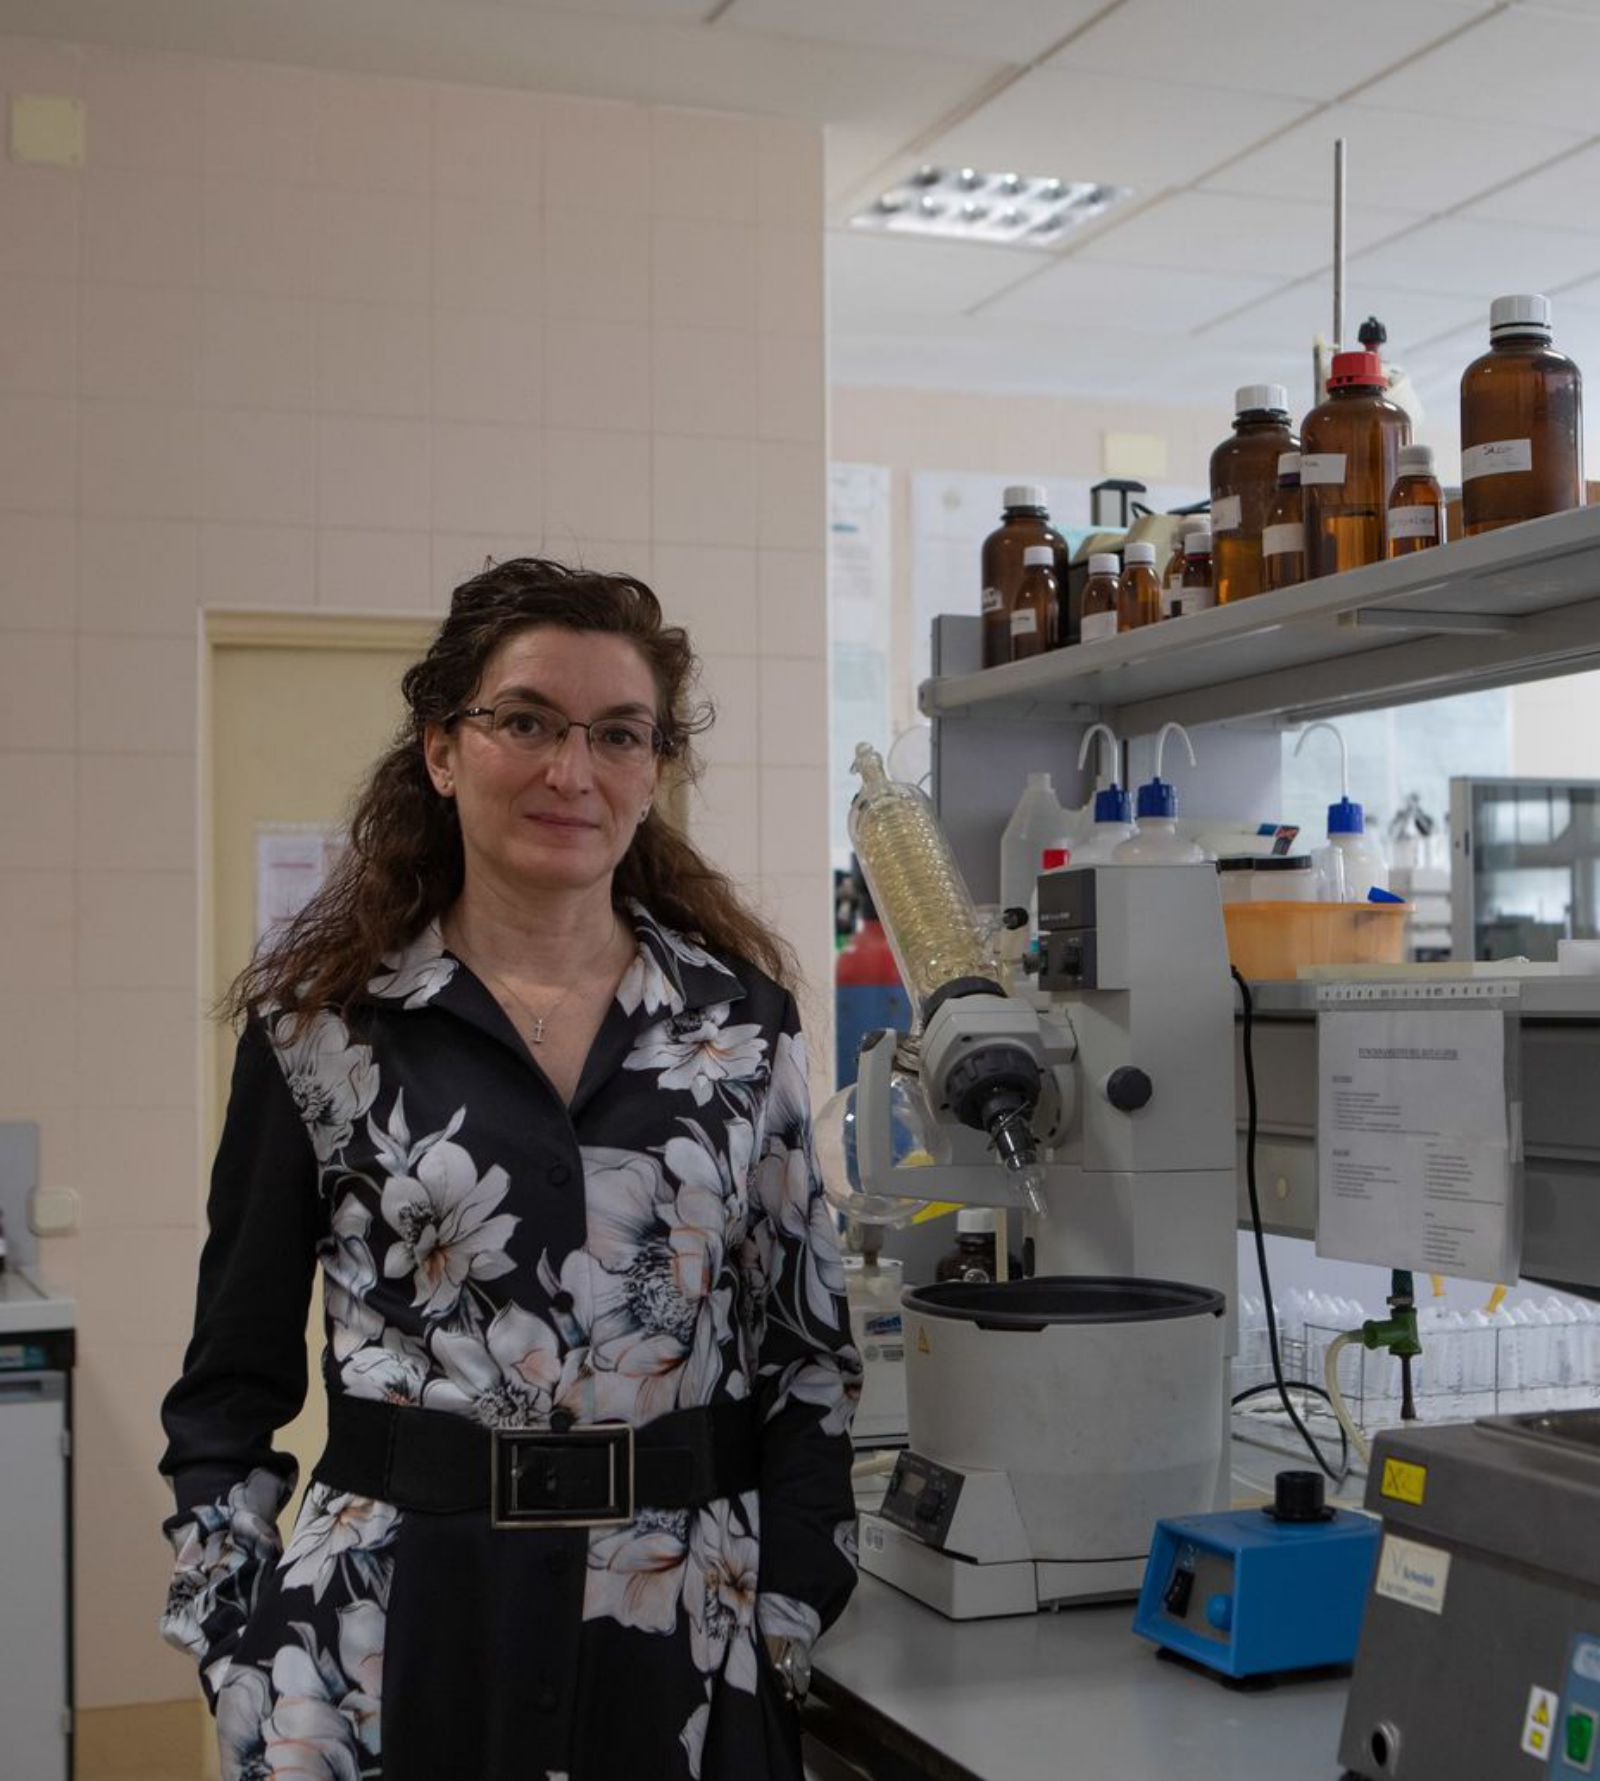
(333, 1081)
(698, 1055)
(335, 1530)
(440, 1206)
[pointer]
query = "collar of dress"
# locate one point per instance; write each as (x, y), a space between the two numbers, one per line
(670, 972)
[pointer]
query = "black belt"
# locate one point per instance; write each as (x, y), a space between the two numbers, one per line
(581, 1475)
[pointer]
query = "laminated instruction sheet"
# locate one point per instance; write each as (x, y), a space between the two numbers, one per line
(1418, 1139)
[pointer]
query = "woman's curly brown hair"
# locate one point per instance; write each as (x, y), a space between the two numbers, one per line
(404, 863)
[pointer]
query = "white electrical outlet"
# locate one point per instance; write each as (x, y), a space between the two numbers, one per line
(53, 1211)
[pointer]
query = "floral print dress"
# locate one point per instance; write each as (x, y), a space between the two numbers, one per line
(488, 1252)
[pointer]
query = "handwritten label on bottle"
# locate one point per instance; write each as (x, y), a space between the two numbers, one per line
(1321, 467)
(1227, 513)
(1196, 599)
(991, 600)
(1024, 624)
(1499, 458)
(1169, 599)
(1414, 522)
(1097, 626)
(1283, 541)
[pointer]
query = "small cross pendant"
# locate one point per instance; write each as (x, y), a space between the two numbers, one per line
(538, 1031)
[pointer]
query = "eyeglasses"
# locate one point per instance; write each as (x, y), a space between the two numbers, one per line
(535, 729)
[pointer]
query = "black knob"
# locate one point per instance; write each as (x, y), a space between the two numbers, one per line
(1298, 1498)
(1128, 1089)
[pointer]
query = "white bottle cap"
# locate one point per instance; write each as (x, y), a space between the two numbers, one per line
(1288, 463)
(1024, 494)
(1260, 395)
(1103, 563)
(1197, 528)
(1039, 553)
(1416, 460)
(979, 1219)
(1139, 552)
(1519, 315)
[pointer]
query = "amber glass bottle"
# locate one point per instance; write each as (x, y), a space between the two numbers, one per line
(1100, 610)
(1283, 537)
(1172, 575)
(1349, 452)
(1025, 522)
(1244, 476)
(1416, 504)
(1035, 622)
(1139, 591)
(1521, 422)
(1199, 584)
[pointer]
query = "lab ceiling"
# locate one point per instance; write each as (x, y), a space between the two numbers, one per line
(1473, 137)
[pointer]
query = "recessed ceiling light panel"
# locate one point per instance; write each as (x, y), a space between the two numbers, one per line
(1004, 209)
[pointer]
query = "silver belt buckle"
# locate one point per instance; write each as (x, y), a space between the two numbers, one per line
(521, 1482)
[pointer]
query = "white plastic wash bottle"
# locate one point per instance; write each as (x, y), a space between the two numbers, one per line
(1158, 842)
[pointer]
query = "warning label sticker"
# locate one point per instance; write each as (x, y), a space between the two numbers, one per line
(1538, 1728)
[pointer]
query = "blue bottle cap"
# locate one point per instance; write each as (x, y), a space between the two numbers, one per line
(1345, 818)
(1157, 798)
(1113, 805)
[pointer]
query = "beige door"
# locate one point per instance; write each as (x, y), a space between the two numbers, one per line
(299, 707)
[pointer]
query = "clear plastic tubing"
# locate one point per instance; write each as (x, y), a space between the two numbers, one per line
(916, 884)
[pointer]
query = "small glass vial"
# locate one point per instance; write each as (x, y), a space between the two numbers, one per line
(1416, 504)
(1283, 537)
(1100, 609)
(1034, 612)
(1521, 422)
(1198, 591)
(1172, 575)
(1139, 591)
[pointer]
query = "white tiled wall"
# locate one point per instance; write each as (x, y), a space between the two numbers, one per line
(295, 339)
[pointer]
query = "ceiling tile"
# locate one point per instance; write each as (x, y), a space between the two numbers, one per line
(999, 30)
(1211, 231)
(1518, 65)
(1302, 48)
(1392, 159)
(881, 280)
(662, 12)
(1079, 295)
(1117, 128)
(1561, 196)
(1482, 260)
(1290, 320)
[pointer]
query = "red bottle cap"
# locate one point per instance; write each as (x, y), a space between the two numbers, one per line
(1356, 370)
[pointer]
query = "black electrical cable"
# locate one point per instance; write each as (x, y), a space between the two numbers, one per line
(1261, 1242)
(1256, 1391)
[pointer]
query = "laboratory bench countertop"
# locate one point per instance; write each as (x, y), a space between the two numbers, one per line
(1067, 1696)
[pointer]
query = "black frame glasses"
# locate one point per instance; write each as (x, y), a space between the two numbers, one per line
(659, 743)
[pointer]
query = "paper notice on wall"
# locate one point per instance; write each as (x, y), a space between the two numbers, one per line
(1416, 1141)
(292, 862)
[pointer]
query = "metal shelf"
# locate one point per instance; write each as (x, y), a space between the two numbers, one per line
(1515, 605)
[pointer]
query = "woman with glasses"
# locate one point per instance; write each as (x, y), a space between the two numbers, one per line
(526, 1080)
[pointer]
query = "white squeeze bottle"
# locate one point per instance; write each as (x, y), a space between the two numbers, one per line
(1158, 842)
(1113, 808)
(1037, 822)
(1352, 862)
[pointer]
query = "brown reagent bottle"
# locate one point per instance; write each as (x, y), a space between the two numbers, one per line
(1100, 607)
(1521, 422)
(1416, 504)
(1199, 589)
(1035, 624)
(1139, 591)
(1283, 537)
(1244, 476)
(1025, 522)
(1349, 453)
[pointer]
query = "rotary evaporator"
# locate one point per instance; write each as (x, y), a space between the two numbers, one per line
(1055, 1419)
